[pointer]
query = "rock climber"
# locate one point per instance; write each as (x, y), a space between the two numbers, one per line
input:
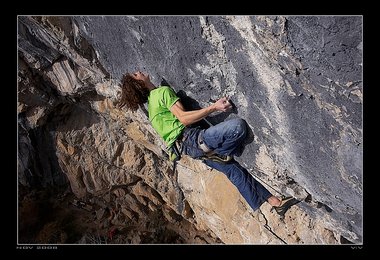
(215, 146)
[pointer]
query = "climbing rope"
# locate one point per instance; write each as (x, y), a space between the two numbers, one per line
(255, 175)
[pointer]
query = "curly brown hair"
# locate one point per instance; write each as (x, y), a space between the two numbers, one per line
(134, 93)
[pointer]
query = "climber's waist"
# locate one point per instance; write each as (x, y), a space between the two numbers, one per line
(182, 137)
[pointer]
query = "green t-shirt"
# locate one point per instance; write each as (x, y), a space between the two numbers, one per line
(160, 101)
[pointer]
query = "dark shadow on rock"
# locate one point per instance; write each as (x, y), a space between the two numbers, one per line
(75, 113)
(344, 240)
(44, 169)
(309, 200)
(327, 208)
(90, 96)
(67, 117)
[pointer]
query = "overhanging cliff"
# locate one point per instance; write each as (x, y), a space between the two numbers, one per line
(297, 81)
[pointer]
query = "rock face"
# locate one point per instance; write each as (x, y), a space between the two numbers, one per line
(295, 80)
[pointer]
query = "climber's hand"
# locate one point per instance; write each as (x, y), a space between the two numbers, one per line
(222, 104)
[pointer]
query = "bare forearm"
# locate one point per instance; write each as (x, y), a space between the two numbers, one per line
(190, 117)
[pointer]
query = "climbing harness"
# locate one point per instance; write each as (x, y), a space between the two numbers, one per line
(175, 150)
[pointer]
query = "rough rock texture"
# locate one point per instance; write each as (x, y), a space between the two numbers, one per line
(296, 80)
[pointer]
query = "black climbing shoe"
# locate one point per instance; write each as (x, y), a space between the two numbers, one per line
(286, 203)
(218, 158)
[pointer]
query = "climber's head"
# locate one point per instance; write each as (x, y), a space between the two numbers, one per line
(135, 89)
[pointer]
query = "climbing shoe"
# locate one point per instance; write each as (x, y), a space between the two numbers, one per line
(218, 158)
(286, 203)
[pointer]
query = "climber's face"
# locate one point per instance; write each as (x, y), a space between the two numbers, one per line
(138, 75)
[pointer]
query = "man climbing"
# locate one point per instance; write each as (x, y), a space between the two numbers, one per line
(215, 145)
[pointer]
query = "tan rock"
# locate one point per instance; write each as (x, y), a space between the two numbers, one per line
(144, 190)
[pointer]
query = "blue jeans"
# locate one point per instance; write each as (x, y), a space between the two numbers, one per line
(225, 139)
